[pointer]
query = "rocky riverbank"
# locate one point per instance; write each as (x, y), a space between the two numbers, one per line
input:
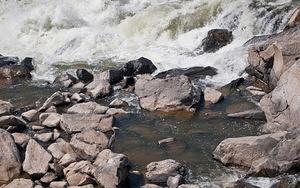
(68, 139)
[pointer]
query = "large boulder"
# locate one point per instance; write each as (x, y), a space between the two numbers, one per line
(216, 39)
(139, 66)
(37, 159)
(281, 106)
(88, 108)
(159, 172)
(10, 162)
(12, 74)
(111, 168)
(175, 93)
(5, 108)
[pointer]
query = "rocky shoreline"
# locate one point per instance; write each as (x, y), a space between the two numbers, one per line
(67, 140)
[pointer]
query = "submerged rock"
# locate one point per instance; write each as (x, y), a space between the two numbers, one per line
(139, 66)
(159, 172)
(175, 93)
(216, 39)
(10, 162)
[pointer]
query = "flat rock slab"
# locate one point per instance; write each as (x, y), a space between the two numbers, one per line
(50, 120)
(37, 159)
(20, 183)
(88, 108)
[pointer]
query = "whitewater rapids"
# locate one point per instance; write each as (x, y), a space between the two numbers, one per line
(169, 32)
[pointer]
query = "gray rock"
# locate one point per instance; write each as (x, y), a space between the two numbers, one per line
(37, 159)
(89, 143)
(111, 168)
(116, 111)
(99, 87)
(175, 93)
(256, 91)
(21, 139)
(48, 178)
(73, 123)
(213, 96)
(216, 39)
(174, 182)
(10, 162)
(17, 183)
(30, 115)
(58, 98)
(60, 148)
(249, 114)
(151, 186)
(79, 173)
(159, 172)
(68, 158)
(11, 120)
(88, 108)
(118, 103)
(78, 86)
(58, 184)
(50, 120)
(112, 76)
(5, 108)
(65, 80)
(44, 137)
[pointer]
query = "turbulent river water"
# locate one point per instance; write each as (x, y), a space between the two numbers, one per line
(169, 32)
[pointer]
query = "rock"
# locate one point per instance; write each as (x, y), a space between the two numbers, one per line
(73, 123)
(44, 137)
(281, 106)
(6, 121)
(37, 128)
(112, 76)
(57, 99)
(68, 158)
(107, 124)
(37, 159)
(83, 186)
(118, 103)
(79, 173)
(151, 186)
(48, 178)
(88, 108)
(65, 80)
(99, 88)
(10, 162)
(249, 114)
(21, 139)
(5, 108)
(116, 111)
(173, 182)
(213, 96)
(127, 82)
(50, 120)
(139, 66)
(60, 148)
(30, 115)
(89, 143)
(189, 186)
(27, 62)
(216, 39)
(159, 172)
(24, 183)
(51, 109)
(194, 73)
(256, 91)
(294, 21)
(78, 97)
(79, 87)
(58, 184)
(5, 60)
(56, 134)
(111, 169)
(84, 76)
(13, 74)
(165, 141)
(176, 93)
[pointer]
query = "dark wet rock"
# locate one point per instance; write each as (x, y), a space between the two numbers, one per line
(281, 106)
(51, 120)
(13, 74)
(73, 123)
(27, 62)
(48, 177)
(5, 108)
(249, 114)
(58, 184)
(65, 80)
(111, 168)
(37, 159)
(60, 148)
(174, 182)
(88, 108)
(99, 87)
(159, 172)
(84, 75)
(176, 93)
(88, 143)
(6, 60)
(6, 121)
(79, 173)
(216, 39)
(117, 103)
(30, 115)
(193, 73)
(127, 82)
(20, 183)
(139, 66)
(21, 139)
(10, 162)
(56, 99)
(113, 76)
(44, 137)
(212, 96)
